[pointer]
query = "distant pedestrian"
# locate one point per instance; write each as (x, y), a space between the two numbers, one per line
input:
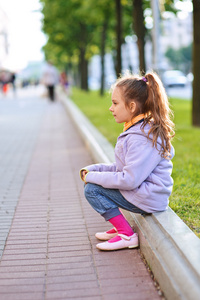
(64, 81)
(50, 79)
(4, 80)
(12, 80)
(140, 179)
(5, 88)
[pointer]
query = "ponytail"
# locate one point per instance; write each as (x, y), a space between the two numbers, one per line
(158, 113)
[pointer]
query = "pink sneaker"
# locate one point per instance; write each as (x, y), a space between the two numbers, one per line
(105, 236)
(124, 242)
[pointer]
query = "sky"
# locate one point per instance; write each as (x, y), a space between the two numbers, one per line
(25, 36)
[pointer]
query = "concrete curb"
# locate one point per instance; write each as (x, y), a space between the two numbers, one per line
(171, 249)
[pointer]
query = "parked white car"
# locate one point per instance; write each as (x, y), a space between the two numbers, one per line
(174, 78)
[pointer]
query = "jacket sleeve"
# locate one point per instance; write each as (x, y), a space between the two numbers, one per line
(141, 158)
(101, 167)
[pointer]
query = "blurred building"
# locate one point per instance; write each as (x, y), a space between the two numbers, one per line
(177, 32)
(3, 37)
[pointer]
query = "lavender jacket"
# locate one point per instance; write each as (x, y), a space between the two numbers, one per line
(140, 173)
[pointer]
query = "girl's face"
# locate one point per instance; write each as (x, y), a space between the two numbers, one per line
(120, 112)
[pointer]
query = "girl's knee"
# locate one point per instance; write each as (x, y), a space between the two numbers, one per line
(89, 189)
(91, 193)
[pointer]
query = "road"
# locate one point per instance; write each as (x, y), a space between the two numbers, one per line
(180, 92)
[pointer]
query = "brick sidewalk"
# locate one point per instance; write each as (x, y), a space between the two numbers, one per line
(50, 250)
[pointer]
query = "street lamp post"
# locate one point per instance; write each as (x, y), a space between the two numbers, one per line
(156, 35)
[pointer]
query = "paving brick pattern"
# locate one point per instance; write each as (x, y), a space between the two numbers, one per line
(47, 227)
(19, 126)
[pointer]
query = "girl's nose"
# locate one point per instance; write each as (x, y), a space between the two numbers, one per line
(110, 109)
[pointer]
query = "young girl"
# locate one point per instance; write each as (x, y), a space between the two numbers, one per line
(140, 179)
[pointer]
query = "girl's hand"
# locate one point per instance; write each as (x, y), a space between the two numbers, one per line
(83, 174)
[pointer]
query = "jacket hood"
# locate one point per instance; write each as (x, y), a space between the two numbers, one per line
(136, 129)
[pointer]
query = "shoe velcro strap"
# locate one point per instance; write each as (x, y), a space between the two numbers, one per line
(125, 237)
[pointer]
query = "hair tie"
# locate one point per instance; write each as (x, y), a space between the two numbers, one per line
(144, 79)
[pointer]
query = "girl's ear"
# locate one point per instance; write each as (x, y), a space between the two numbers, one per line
(132, 106)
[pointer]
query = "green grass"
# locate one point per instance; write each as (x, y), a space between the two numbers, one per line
(185, 199)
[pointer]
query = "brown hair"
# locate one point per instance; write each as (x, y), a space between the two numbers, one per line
(151, 99)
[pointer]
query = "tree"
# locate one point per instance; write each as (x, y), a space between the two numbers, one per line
(118, 36)
(196, 64)
(78, 29)
(74, 31)
(70, 31)
(140, 31)
(103, 47)
(104, 9)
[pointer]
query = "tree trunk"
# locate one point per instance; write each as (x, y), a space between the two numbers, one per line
(83, 70)
(83, 60)
(140, 30)
(196, 64)
(119, 37)
(103, 44)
